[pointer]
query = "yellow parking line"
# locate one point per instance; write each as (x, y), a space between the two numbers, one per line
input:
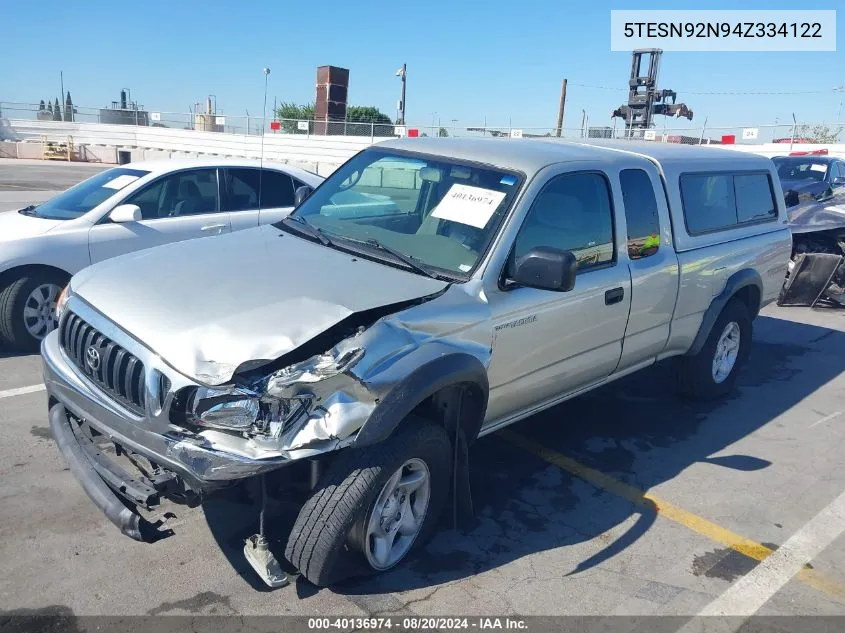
(832, 588)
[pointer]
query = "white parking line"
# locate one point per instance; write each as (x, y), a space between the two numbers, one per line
(747, 595)
(826, 418)
(9, 393)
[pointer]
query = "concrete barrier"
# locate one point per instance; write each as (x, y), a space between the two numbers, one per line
(321, 154)
(8, 149)
(329, 150)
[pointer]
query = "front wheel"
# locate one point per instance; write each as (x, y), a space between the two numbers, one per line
(28, 309)
(712, 372)
(373, 505)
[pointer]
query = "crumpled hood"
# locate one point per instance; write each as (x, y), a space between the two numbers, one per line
(208, 305)
(14, 225)
(815, 216)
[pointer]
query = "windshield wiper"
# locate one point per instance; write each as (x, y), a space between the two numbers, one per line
(301, 226)
(409, 260)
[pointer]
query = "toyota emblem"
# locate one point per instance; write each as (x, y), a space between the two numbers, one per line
(92, 358)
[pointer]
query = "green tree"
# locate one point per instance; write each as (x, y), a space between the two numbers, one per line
(382, 125)
(290, 113)
(366, 114)
(442, 132)
(818, 133)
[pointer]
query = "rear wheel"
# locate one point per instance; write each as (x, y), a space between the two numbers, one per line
(373, 505)
(28, 309)
(712, 372)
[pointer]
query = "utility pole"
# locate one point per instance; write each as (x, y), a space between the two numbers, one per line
(792, 138)
(402, 73)
(62, 81)
(560, 109)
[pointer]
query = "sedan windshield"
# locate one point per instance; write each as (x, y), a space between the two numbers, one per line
(81, 198)
(427, 213)
(801, 169)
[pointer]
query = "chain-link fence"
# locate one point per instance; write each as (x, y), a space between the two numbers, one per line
(693, 134)
(203, 121)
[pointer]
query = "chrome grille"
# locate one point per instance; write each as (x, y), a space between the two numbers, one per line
(104, 362)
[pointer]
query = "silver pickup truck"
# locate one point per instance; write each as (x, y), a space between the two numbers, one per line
(360, 349)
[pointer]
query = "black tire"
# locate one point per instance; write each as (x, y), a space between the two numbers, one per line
(13, 296)
(326, 542)
(695, 373)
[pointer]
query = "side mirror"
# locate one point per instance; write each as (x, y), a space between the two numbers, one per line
(546, 268)
(839, 181)
(123, 213)
(301, 194)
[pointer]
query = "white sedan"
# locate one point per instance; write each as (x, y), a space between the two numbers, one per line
(125, 209)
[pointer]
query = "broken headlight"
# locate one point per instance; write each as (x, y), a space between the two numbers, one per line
(272, 405)
(233, 409)
(314, 369)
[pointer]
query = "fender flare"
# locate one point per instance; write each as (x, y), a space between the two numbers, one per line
(736, 282)
(443, 368)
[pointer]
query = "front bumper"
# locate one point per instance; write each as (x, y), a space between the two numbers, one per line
(200, 467)
(88, 471)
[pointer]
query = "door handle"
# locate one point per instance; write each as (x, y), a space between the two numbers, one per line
(213, 227)
(615, 295)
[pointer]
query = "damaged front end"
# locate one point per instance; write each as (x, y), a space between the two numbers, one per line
(305, 404)
(816, 271)
(306, 408)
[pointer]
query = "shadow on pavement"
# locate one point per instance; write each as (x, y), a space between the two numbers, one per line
(5, 353)
(635, 430)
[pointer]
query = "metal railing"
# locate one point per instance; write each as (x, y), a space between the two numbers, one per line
(666, 131)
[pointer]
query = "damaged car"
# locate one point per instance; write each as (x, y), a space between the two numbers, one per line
(814, 192)
(363, 348)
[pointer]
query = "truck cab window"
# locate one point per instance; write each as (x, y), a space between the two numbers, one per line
(640, 213)
(717, 201)
(754, 199)
(571, 213)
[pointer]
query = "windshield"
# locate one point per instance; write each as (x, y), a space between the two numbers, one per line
(441, 213)
(81, 198)
(801, 169)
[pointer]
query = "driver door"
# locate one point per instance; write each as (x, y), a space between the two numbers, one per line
(547, 344)
(179, 206)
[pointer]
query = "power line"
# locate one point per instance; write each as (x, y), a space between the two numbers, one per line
(728, 92)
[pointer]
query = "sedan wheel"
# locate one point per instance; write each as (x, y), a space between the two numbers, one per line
(39, 313)
(28, 309)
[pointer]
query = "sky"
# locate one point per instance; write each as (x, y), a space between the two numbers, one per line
(469, 61)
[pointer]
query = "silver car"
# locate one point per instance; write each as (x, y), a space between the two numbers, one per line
(428, 292)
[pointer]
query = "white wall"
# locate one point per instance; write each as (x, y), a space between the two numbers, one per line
(318, 153)
(321, 154)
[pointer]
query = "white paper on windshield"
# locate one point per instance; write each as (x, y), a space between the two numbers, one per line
(817, 167)
(121, 181)
(468, 205)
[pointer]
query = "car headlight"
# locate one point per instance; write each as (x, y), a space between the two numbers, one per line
(61, 302)
(230, 409)
(271, 405)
